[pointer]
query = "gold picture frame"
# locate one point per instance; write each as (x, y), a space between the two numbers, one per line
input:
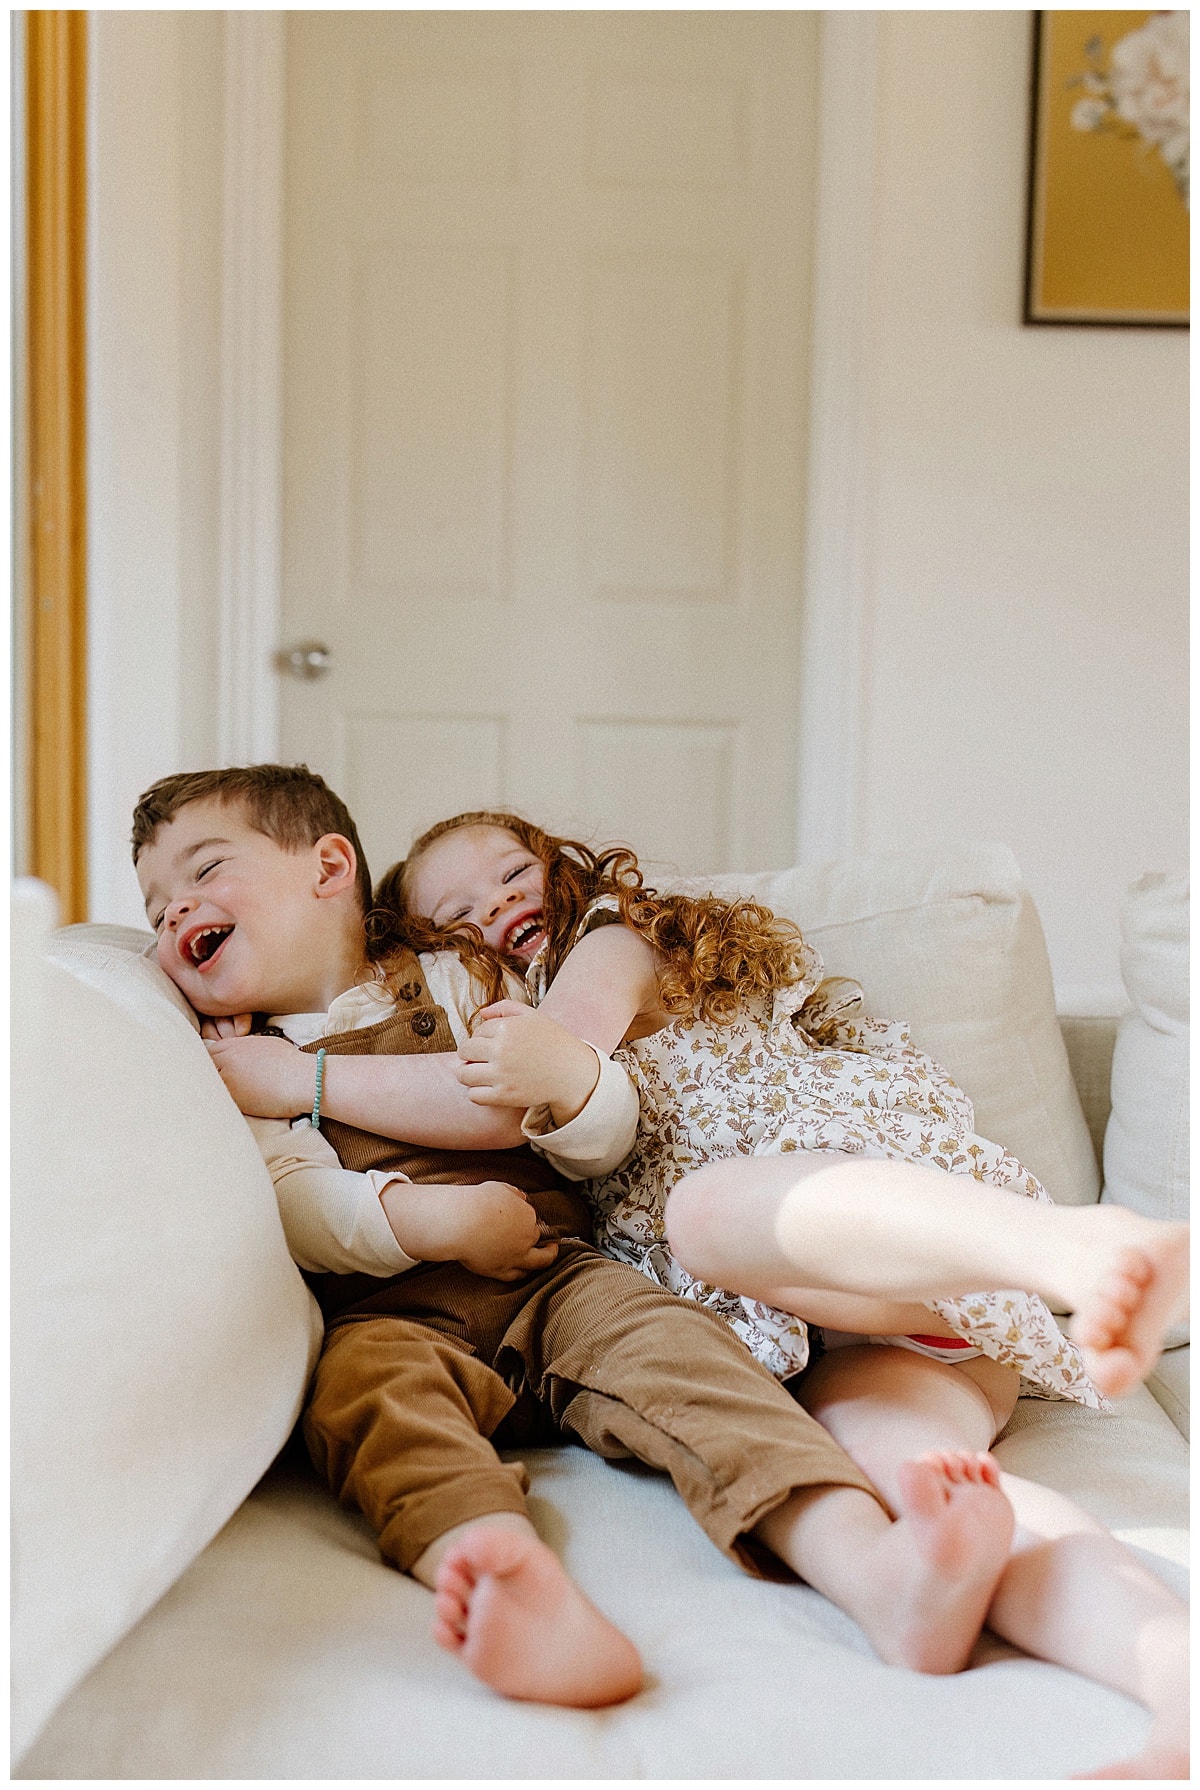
(1107, 240)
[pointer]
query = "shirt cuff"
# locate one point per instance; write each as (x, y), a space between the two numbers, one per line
(600, 1136)
(380, 1180)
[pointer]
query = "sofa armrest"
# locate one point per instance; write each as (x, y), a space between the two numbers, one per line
(1171, 1385)
(1089, 1043)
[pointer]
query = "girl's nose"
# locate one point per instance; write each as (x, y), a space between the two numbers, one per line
(504, 898)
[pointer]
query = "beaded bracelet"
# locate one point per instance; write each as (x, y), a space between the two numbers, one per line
(316, 1111)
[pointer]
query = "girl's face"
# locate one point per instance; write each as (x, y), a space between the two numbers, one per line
(484, 876)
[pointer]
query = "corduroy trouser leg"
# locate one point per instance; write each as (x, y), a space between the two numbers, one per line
(401, 1410)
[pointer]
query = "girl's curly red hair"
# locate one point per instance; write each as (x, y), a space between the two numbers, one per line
(712, 954)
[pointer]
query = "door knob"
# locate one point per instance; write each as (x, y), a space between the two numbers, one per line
(306, 660)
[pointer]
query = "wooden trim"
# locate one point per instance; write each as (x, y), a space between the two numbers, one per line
(56, 473)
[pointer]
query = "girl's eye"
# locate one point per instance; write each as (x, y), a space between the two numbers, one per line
(517, 870)
(157, 923)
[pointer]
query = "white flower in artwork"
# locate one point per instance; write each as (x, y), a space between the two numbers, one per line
(1088, 114)
(1145, 92)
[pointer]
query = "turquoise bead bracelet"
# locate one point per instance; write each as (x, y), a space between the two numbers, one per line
(316, 1111)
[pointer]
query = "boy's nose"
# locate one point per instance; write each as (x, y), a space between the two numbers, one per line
(179, 910)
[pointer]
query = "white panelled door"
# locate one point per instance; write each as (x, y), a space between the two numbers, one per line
(546, 339)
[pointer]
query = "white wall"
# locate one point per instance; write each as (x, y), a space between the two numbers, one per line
(1026, 677)
(153, 303)
(1024, 525)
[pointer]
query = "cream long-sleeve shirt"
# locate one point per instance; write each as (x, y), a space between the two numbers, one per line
(332, 1217)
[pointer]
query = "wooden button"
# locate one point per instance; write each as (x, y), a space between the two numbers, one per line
(423, 1023)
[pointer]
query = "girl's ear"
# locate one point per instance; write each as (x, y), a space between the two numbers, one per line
(337, 865)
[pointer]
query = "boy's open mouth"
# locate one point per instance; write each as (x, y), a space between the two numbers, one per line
(525, 933)
(203, 946)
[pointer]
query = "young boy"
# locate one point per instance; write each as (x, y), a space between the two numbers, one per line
(486, 1321)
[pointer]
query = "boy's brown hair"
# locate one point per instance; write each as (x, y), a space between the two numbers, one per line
(287, 802)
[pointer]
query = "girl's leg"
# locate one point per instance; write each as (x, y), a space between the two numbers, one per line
(1071, 1593)
(780, 1228)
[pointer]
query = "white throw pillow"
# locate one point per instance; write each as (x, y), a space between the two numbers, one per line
(951, 942)
(162, 1338)
(1147, 1142)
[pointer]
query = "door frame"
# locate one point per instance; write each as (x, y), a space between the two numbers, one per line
(835, 670)
(249, 515)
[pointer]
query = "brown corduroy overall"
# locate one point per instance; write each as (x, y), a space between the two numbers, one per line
(425, 1374)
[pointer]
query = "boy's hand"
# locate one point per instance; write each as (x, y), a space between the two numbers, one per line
(236, 1025)
(518, 1056)
(491, 1229)
(268, 1077)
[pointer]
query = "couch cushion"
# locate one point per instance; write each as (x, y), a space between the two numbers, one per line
(950, 941)
(1146, 1145)
(162, 1338)
(288, 1651)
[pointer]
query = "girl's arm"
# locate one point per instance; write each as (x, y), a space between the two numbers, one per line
(606, 990)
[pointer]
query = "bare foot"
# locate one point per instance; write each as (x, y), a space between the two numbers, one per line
(508, 1609)
(1120, 1321)
(947, 1548)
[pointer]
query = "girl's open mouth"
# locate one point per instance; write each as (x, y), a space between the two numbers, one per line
(525, 936)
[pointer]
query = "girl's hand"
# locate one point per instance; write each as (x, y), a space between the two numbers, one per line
(491, 1229)
(268, 1077)
(518, 1056)
(237, 1025)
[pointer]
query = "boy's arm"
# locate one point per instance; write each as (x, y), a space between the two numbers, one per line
(333, 1219)
(416, 1098)
(337, 1221)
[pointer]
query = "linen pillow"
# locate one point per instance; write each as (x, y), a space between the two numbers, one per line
(1147, 1141)
(951, 942)
(162, 1338)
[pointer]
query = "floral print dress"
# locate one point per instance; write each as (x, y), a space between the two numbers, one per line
(808, 1071)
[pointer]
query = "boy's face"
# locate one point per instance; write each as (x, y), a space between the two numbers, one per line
(238, 919)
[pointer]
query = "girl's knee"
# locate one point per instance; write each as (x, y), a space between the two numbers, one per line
(691, 1221)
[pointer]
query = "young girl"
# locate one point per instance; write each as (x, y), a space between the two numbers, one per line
(754, 1072)
(808, 1149)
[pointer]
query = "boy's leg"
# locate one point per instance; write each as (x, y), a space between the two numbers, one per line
(1071, 1593)
(398, 1423)
(782, 1228)
(634, 1371)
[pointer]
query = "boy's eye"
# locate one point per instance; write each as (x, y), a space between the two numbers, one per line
(156, 923)
(200, 874)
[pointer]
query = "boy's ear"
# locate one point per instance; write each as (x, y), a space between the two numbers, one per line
(337, 864)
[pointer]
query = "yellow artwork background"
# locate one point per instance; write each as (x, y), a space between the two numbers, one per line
(1110, 229)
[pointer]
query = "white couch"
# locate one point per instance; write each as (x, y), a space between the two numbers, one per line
(190, 1603)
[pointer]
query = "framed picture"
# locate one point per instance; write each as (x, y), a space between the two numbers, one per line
(1108, 222)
